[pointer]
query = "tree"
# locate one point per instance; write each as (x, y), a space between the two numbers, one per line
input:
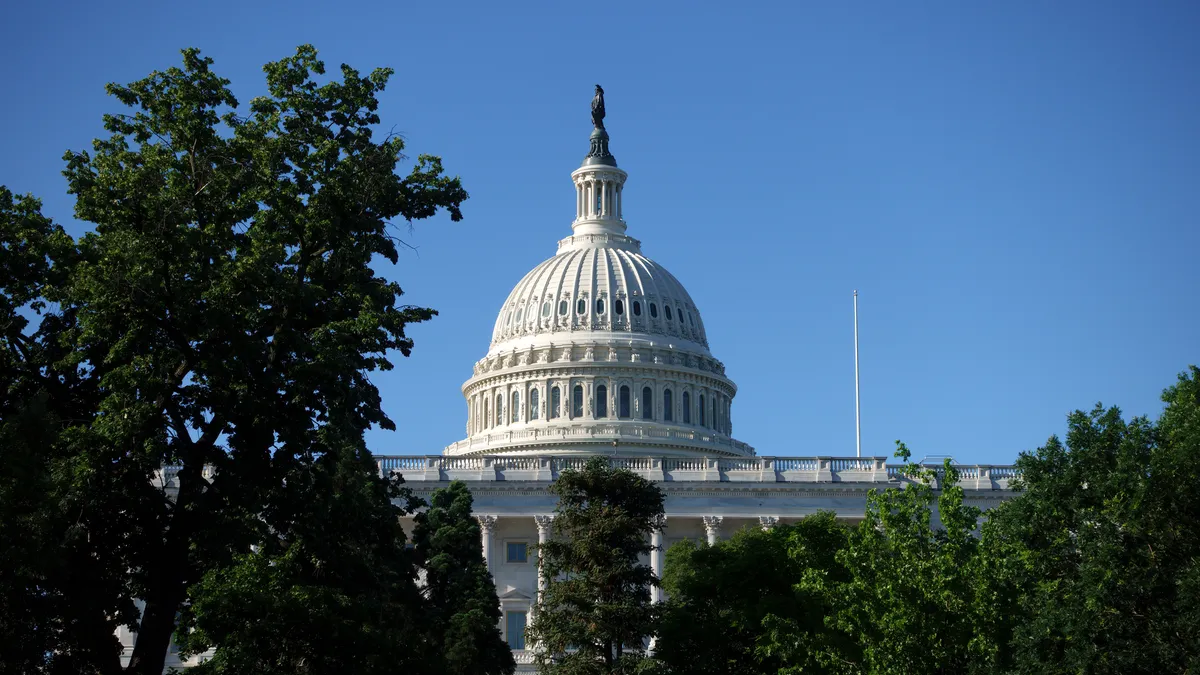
(595, 611)
(911, 601)
(461, 612)
(223, 319)
(1104, 542)
(755, 602)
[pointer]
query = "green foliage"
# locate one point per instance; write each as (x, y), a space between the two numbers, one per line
(755, 602)
(1105, 541)
(595, 611)
(221, 318)
(461, 613)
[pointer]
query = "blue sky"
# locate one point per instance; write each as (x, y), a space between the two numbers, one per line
(1014, 188)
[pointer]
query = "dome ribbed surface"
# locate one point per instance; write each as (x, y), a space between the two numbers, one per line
(618, 289)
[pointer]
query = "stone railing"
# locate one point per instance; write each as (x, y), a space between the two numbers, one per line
(681, 469)
(600, 433)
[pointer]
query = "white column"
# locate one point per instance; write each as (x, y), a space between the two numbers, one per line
(657, 557)
(767, 522)
(486, 525)
(712, 526)
(543, 528)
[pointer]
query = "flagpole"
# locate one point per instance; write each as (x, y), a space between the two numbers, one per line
(857, 406)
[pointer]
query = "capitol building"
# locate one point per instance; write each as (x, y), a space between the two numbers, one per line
(599, 350)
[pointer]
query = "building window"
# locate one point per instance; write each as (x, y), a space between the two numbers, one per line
(533, 404)
(637, 308)
(667, 309)
(577, 401)
(687, 408)
(546, 308)
(601, 401)
(555, 402)
(668, 414)
(690, 319)
(581, 306)
(517, 552)
(653, 311)
(562, 307)
(486, 414)
(623, 403)
(647, 403)
(499, 409)
(618, 306)
(519, 313)
(701, 409)
(514, 629)
(516, 407)
(600, 306)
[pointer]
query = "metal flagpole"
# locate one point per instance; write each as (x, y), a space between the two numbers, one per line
(857, 407)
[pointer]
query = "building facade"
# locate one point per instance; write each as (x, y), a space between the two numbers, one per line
(599, 350)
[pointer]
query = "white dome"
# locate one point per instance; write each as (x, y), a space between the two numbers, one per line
(599, 283)
(599, 349)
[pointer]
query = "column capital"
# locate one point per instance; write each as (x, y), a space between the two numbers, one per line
(486, 523)
(712, 524)
(543, 523)
(767, 522)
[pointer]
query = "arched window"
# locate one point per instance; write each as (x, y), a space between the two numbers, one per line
(618, 306)
(533, 404)
(623, 403)
(667, 309)
(562, 307)
(499, 409)
(712, 417)
(702, 410)
(637, 308)
(687, 408)
(581, 306)
(555, 402)
(516, 407)
(600, 305)
(653, 311)
(486, 415)
(668, 414)
(577, 401)
(647, 403)
(601, 401)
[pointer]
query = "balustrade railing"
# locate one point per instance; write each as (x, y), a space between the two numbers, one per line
(682, 469)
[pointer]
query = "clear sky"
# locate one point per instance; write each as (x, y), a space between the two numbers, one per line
(1013, 187)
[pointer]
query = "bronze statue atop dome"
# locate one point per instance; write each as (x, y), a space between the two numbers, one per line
(598, 108)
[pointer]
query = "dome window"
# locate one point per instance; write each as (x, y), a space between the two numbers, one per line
(516, 407)
(600, 306)
(601, 402)
(690, 319)
(667, 309)
(653, 311)
(581, 306)
(562, 307)
(618, 306)
(555, 402)
(508, 318)
(647, 402)
(687, 408)
(623, 403)
(533, 402)
(577, 402)
(668, 414)
(519, 313)
(546, 308)
(702, 410)
(637, 308)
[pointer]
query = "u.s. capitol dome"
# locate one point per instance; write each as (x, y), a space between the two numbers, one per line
(599, 348)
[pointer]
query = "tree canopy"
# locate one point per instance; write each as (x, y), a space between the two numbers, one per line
(595, 613)
(221, 318)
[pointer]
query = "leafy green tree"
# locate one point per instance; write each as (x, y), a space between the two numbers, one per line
(1103, 543)
(595, 611)
(222, 318)
(461, 612)
(755, 602)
